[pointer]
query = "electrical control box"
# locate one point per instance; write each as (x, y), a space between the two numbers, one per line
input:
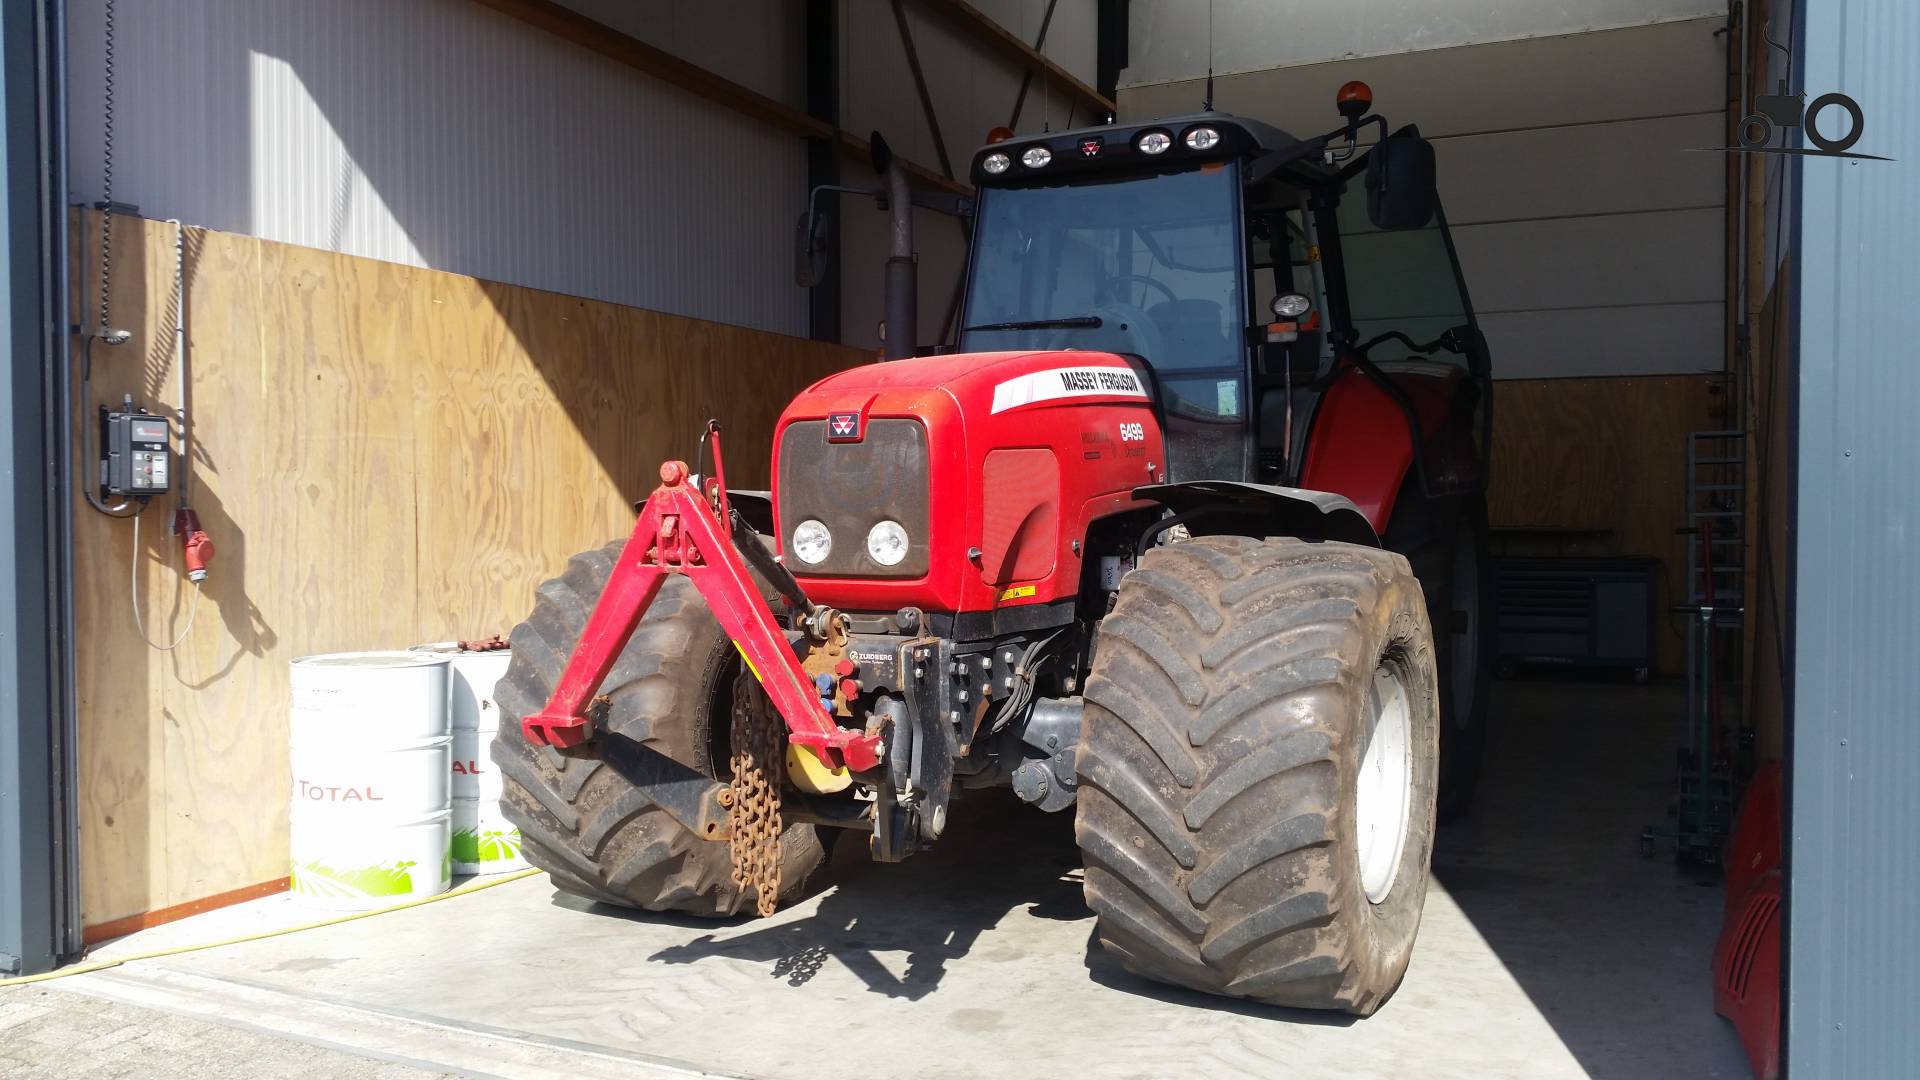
(136, 453)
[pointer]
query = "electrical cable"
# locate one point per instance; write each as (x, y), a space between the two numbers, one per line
(114, 962)
(133, 597)
(88, 442)
(181, 411)
(106, 171)
(1020, 695)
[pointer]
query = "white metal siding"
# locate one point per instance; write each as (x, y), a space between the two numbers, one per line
(1853, 862)
(1592, 232)
(443, 134)
(1169, 38)
(760, 44)
(973, 91)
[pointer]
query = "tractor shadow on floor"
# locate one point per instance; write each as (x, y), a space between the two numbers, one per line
(999, 859)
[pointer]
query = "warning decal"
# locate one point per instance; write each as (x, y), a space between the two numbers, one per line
(1067, 382)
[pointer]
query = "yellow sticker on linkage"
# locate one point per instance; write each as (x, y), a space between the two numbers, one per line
(749, 662)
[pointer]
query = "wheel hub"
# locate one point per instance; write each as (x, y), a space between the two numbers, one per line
(1383, 793)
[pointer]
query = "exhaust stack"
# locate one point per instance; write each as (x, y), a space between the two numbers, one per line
(903, 288)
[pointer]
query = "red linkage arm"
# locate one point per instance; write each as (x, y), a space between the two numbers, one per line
(678, 533)
(629, 591)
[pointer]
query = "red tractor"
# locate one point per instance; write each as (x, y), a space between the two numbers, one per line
(1187, 536)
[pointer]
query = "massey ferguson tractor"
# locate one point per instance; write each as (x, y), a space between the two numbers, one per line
(1186, 536)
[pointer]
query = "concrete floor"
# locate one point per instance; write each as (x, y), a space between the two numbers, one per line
(1549, 948)
(56, 1033)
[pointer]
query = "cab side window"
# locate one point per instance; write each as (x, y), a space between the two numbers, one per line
(1401, 280)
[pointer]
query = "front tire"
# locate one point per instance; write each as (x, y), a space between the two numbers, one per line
(581, 820)
(1231, 814)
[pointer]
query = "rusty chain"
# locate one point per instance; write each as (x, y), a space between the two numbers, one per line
(758, 762)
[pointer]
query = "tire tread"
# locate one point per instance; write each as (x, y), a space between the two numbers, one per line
(1209, 806)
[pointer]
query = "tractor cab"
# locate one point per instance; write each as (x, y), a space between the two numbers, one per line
(1250, 270)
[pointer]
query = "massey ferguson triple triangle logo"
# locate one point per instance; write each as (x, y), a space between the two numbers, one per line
(843, 427)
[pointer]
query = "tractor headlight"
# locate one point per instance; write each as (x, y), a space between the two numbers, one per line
(887, 543)
(812, 543)
(996, 163)
(1154, 142)
(1036, 157)
(1202, 138)
(1290, 305)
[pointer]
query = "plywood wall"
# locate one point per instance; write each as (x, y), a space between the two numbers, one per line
(1597, 467)
(383, 455)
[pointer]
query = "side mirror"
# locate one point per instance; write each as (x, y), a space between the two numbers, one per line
(810, 249)
(1401, 190)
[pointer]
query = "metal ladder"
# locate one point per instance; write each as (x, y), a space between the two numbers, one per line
(1717, 499)
(1714, 606)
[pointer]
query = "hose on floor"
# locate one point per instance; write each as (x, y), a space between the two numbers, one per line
(102, 965)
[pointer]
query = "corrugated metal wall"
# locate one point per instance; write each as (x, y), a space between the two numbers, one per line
(1854, 749)
(1170, 37)
(1592, 235)
(756, 43)
(973, 92)
(440, 133)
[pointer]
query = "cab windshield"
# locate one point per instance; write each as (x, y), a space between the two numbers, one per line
(1142, 264)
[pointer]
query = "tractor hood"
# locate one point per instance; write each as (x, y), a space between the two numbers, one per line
(1023, 378)
(983, 468)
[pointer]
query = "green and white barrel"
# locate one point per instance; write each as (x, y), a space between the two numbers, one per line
(371, 764)
(484, 842)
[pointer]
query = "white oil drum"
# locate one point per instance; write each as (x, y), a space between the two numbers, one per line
(474, 776)
(371, 770)
(472, 714)
(484, 842)
(398, 783)
(356, 862)
(369, 699)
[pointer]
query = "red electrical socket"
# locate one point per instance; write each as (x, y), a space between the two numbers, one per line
(196, 547)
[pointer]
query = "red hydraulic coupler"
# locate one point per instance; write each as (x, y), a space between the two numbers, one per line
(679, 532)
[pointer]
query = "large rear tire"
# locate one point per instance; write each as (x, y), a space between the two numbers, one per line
(1257, 770)
(1446, 542)
(580, 818)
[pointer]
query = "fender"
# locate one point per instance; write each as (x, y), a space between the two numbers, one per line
(1238, 507)
(1359, 445)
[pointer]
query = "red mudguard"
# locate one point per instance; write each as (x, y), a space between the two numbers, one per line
(680, 533)
(1746, 961)
(1360, 447)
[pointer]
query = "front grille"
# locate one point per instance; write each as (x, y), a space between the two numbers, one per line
(851, 487)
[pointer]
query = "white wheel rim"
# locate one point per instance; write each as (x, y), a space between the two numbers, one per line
(1383, 795)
